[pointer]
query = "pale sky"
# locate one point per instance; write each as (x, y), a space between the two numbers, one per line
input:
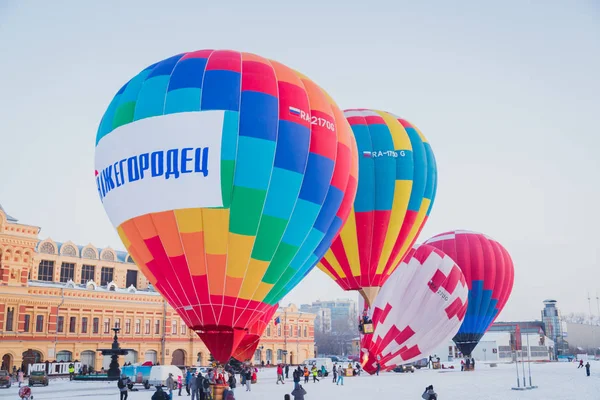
(505, 92)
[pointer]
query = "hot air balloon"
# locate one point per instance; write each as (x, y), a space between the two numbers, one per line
(249, 343)
(420, 306)
(489, 272)
(223, 172)
(396, 190)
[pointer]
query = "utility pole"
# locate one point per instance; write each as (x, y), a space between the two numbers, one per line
(598, 303)
(285, 336)
(590, 307)
(163, 339)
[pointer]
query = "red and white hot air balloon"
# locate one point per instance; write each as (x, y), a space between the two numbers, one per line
(421, 306)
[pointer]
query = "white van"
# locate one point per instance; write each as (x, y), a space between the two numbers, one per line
(327, 362)
(160, 373)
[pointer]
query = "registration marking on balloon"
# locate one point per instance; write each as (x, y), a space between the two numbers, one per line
(177, 154)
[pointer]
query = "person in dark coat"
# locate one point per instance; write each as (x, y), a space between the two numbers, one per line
(429, 393)
(587, 368)
(296, 375)
(299, 393)
(287, 371)
(160, 394)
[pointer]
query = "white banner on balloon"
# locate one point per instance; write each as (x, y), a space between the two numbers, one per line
(161, 163)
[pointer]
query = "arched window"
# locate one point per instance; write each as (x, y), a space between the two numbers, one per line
(108, 255)
(89, 253)
(269, 330)
(130, 260)
(279, 355)
(47, 248)
(68, 250)
(269, 356)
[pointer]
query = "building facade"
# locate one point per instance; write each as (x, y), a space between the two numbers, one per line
(334, 315)
(59, 301)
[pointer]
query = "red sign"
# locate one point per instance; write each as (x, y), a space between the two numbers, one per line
(518, 345)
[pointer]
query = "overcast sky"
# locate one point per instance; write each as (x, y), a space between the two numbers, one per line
(508, 93)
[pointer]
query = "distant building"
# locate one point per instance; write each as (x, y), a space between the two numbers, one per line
(498, 344)
(323, 317)
(333, 315)
(554, 327)
(584, 338)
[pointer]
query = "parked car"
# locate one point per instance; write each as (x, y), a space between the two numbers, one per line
(4, 379)
(38, 378)
(405, 368)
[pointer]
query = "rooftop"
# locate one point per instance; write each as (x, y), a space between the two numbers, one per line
(91, 285)
(8, 217)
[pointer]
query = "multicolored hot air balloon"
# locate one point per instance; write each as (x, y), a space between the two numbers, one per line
(396, 189)
(489, 272)
(249, 343)
(224, 173)
(420, 306)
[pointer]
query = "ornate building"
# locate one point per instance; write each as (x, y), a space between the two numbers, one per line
(59, 301)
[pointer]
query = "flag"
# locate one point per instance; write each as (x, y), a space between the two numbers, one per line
(277, 321)
(367, 154)
(518, 345)
(294, 111)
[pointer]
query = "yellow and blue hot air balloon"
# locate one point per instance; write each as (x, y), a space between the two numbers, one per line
(224, 173)
(396, 189)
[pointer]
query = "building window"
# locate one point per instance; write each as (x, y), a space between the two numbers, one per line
(60, 324)
(138, 326)
(157, 327)
(46, 271)
(89, 253)
(39, 323)
(118, 323)
(131, 278)
(47, 248)
(67, 272)
(147, 327)
(106, 276)
(96, 325)
(127, 326)
(268, 330)
(106, 325)
(183, 328)
(27, 323)
(174, 328)
(10, 315)
(72, 324)
(84, 325)
(87, 273)
(305, 331)
(278, 330)
(299, 331)
(279, 355)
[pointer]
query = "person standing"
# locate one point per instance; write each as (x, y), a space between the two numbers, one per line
(315, 373)
(122, 385)
(248, 380)
(378, 367)
(287, 371)
(334, 373)
(20, 377)
(170, 383)
(587, 368)
(299, 393)
(296, 376)
(280, 374)
(340, 376)
(193, 385)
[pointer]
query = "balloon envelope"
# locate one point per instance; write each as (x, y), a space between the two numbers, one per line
(249, 343)
(489, 271)
(396, 191)
(224, 173)
(420, 307)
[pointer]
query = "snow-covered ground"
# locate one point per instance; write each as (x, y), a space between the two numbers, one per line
(556, 381)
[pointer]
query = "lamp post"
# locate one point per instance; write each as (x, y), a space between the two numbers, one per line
(261, 348)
